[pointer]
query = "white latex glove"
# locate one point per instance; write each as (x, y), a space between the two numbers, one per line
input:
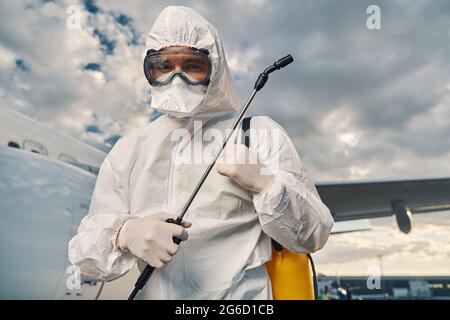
(240, 164)
(150, 238)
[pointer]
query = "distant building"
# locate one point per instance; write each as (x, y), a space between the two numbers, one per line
(391, 287)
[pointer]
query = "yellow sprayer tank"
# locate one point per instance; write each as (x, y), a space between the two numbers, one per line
(291, 275)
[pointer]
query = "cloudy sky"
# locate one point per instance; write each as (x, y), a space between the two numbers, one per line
(358, 103)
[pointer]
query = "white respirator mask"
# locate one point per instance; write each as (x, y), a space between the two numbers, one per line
(178, 98)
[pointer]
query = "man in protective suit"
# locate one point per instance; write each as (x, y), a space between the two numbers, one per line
(145, 179)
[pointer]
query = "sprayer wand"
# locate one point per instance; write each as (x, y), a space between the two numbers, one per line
(259, 84)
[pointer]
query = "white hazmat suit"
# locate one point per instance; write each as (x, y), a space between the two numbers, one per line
(229, 240)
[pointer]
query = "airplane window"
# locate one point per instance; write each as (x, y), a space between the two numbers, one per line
(66, 158)
(13, 144)
(35, 147)
(95, 169)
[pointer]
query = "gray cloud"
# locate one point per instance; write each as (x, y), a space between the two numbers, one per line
(424, 251)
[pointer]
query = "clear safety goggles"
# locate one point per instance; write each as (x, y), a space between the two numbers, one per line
(192, 65)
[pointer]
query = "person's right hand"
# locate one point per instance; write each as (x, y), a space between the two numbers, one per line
(150, 238)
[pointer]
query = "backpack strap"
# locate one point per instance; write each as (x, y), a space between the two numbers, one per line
(246, 139)
(245, 131)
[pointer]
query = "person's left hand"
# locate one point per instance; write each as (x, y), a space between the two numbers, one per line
(240, 164)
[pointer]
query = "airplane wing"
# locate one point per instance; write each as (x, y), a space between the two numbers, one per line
(363, 200)
(350, 231)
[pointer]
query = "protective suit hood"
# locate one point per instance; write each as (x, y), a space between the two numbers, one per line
(182, 26)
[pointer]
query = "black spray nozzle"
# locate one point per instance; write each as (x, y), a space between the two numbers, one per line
(283, 62)
(262, 79)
